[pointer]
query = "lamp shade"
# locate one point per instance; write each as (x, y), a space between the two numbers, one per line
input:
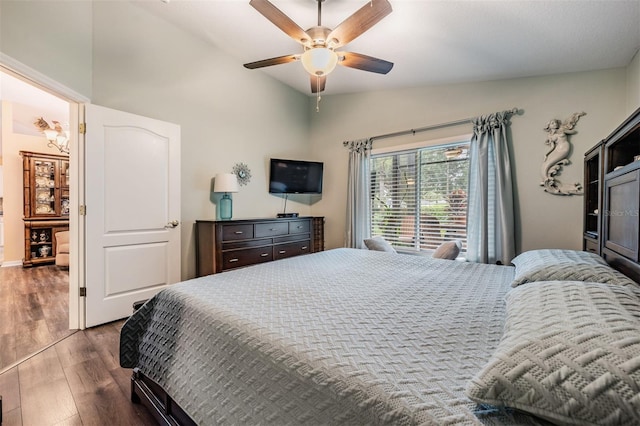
(319, 61)
(225, 182)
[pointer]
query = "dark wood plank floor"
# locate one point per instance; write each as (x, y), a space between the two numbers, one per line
(34, 310)
(78, 381)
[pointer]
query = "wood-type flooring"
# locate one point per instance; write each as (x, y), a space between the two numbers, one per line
(34, 310)
(76, 381)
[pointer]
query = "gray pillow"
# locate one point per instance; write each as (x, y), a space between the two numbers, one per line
(570, 354)
(448, 250)
(379, 244)
(565, 265)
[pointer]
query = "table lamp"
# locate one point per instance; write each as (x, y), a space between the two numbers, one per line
(226, 182)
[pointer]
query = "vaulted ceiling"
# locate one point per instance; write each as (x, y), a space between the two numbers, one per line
(430, 41)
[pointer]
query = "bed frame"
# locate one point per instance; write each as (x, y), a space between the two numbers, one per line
(158, 402)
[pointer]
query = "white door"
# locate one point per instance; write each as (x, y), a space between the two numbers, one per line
(132, 198)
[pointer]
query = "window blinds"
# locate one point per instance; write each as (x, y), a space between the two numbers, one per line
(419, 196)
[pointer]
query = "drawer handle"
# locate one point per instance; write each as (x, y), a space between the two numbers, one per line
(239, 232)
(264, 255)
(233, 260)
(282, 251)
(272, 229)
(300, 226)
(304, 247)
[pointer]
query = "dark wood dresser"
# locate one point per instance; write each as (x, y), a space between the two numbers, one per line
(222, 245)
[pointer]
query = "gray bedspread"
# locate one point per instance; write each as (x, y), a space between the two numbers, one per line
(338, 337)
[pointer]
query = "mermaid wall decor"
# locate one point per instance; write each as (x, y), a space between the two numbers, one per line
(557, 155)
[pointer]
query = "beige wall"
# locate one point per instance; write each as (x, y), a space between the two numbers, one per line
(53, 37)
(12, 144)
(542, 219)
(145, 66)
(633, 84)
(227, 114)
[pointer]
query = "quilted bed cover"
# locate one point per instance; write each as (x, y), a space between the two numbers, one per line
(343, 336)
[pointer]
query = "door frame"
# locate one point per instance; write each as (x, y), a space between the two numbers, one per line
(76, 189)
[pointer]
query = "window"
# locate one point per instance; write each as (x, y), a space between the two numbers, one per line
(419, 196)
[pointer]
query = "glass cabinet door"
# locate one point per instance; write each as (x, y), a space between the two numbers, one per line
(45, 187)
(64, 188)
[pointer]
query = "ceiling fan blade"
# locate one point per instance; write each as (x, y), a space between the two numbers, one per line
(280, 20)
(318, 83)
(272, 61)
(364, 62)
(363, 19)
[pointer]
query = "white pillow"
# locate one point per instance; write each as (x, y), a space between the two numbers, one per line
(570, 353)
(379, 244)
(565, 265)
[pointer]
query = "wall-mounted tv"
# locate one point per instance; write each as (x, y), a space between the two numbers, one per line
(295, 177)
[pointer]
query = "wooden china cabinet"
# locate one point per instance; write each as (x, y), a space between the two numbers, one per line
(46, 205)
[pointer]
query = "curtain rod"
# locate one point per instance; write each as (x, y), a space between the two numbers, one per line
(434, 126)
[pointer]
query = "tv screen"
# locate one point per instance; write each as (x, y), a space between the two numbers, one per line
(295, 177)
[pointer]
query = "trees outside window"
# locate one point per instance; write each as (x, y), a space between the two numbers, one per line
(419, 196)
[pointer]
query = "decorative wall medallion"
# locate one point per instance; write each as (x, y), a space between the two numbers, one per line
(243, 173)
(556, 157)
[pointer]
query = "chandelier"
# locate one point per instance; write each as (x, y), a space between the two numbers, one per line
(57, 137)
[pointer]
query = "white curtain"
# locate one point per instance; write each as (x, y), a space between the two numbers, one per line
(490, 218)
(358, 193)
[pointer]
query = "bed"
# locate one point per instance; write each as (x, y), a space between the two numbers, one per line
(352, 337)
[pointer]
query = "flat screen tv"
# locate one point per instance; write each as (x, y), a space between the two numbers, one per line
(295, 177)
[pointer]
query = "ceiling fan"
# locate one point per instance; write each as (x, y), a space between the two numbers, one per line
(320, 57)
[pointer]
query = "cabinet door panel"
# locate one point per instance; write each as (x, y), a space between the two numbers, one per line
(621, 215)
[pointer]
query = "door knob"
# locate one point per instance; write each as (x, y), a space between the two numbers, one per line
(172, 224)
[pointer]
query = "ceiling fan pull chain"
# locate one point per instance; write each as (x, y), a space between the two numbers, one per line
(318, 97)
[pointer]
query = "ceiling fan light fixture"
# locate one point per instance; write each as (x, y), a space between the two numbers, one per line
(319, 61)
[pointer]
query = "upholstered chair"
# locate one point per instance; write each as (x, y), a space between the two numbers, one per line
(62, 249)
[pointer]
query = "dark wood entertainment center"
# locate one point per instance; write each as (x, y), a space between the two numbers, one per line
(222, 245)
(612, 197)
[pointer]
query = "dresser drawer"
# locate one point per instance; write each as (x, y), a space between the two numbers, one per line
(237, 258)
(237, 232)
(299, 226)
(282, 251)
(271, 229)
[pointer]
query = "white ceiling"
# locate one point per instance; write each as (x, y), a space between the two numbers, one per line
(29, 103)
(429, 41)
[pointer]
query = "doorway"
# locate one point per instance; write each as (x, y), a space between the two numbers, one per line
(34, 302)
